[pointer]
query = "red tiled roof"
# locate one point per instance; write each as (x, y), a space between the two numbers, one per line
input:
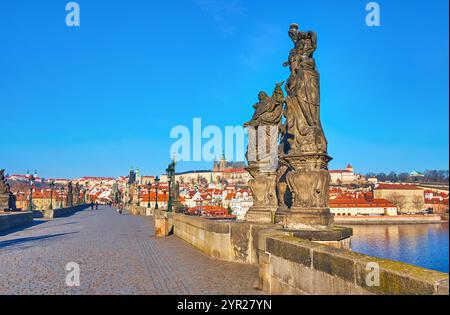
(360, 203)
(397, 187)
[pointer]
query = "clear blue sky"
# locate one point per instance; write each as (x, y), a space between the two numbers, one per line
(97, 99)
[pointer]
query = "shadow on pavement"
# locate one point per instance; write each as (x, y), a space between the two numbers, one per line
(23, 227)
(17, 241)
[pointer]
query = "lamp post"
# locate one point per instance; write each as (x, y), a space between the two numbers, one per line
(52, 186)
(31, 178)
(156, 191)
(149, 191)
(171, 178)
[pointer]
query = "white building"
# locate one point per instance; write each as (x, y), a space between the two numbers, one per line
(344, 176)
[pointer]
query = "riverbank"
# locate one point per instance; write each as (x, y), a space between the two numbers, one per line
(385, 220)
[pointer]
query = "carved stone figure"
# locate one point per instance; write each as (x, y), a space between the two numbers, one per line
(4, 192)
(76, 194)
(303, 100)
(69, 197)
(7, 198)
(308, 178)
(262, 154)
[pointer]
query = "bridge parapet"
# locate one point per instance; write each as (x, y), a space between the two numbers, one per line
(289, 263)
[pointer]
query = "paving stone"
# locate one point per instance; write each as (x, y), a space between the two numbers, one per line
(116, 255)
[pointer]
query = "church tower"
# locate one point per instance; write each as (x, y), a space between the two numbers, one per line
(222, 163)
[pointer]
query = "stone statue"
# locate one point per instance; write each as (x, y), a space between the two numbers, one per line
(308, 178)
(262, 154)
(174, 203)
(69, 200)
(264, 129)
(4, 192)
(7, 198)
(268, 110)
(76, 194)
(303, 100)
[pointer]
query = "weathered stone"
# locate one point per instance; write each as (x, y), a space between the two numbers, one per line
(329, 261)
(15, 220)
(333, 234)
(240, 241)
(442, 287)
(63, 212)
(262, 155)
(289, 251)
(398, 278)
(290, 265)
(305, 144)
(7, 198)
(323, 283)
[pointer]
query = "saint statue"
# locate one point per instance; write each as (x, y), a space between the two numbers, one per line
(303, 100)
(264, 126)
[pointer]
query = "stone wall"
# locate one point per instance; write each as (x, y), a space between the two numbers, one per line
(290, 265)
(224, 240)
(139, 210)
(296, 266)
(63, 212)
(15, 220)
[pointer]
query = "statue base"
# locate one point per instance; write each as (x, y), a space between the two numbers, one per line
(309, 182)
(260, 214)
(336, 236)
(314, 219)
(280, 215)
(263, 187)
(178, 207)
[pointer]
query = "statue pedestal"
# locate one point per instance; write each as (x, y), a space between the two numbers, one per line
(260, 214)
(336, 236)
(309, 182)
(298, 218)
(264, 195)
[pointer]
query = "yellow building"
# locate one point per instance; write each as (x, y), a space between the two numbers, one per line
(407, 198)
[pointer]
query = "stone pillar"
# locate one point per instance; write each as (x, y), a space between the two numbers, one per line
(309, 182)
(264, 195)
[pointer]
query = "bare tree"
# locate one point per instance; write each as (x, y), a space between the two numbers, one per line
(398, 200)
(418, 203)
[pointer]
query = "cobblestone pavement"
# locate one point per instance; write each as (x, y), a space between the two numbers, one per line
(117, 255)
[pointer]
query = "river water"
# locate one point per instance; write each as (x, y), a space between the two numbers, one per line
(424, 245)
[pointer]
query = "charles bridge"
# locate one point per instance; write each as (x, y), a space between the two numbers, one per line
(116, 255)
(288, 244)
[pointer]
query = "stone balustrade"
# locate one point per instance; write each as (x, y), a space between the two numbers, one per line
(289, 264)
(139, 210)
(63, 212)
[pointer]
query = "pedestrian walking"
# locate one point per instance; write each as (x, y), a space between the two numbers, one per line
(92, 206)
(96, 206)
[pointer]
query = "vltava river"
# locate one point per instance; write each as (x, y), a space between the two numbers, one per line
(424, 245)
